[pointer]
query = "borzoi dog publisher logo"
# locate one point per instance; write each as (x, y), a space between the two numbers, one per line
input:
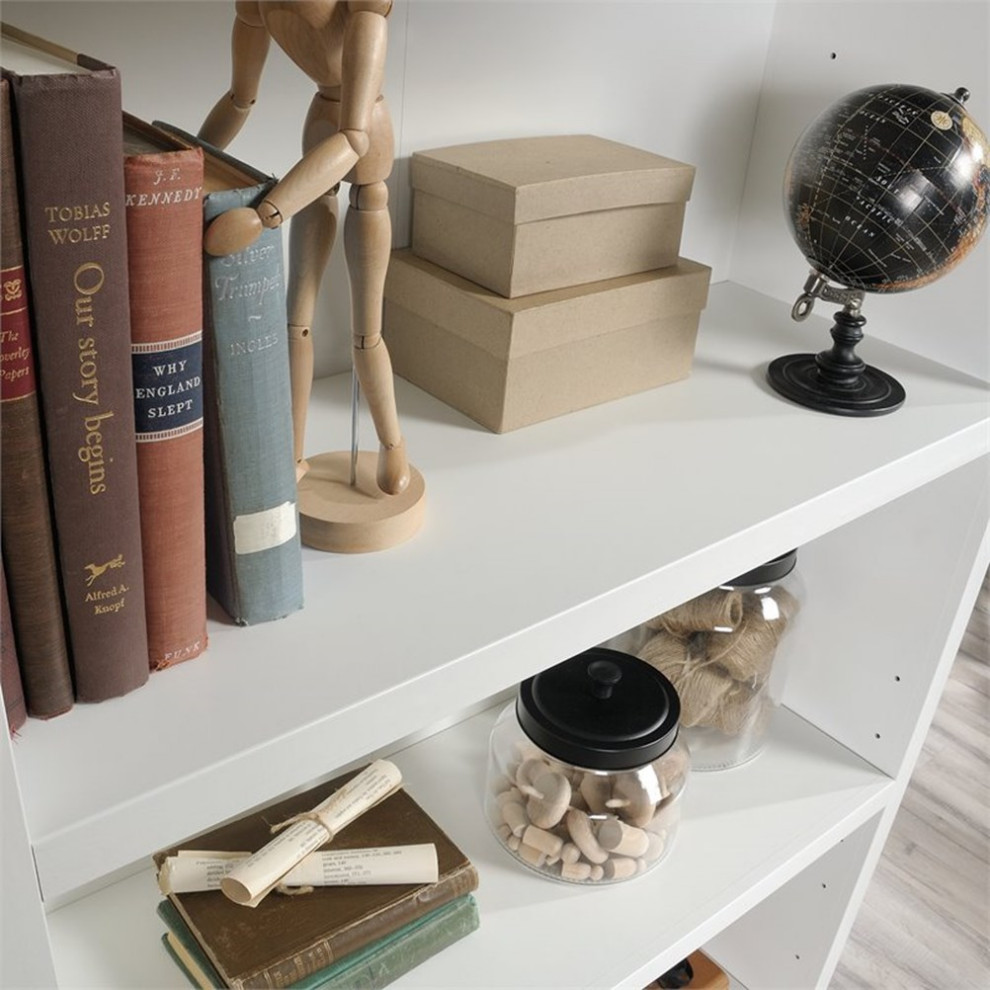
(105, 600)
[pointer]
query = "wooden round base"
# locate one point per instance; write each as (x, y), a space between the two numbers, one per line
(340, 518)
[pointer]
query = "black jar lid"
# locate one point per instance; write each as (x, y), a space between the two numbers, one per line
(772, 570)
(601, 709)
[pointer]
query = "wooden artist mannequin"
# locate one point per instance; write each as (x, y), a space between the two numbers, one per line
(340, 45)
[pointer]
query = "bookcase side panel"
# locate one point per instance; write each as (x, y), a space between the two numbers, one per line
(886, 601)
(26, 959)
(787, 940)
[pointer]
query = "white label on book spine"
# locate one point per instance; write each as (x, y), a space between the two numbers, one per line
(263, 530)
(192, 870)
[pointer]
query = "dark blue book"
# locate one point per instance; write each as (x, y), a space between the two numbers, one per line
(253, 550)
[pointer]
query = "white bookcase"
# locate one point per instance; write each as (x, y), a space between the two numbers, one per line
(538, 544)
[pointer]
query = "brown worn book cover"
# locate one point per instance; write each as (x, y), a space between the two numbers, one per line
(11, 685)
(25, 506)
(70, 154)
(164, 202)
(287, 937)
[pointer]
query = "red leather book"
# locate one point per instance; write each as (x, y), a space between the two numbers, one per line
(11, 685)
(163, 183)
(69, 145)
(25, 508)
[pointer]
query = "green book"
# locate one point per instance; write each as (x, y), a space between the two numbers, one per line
(374, 966)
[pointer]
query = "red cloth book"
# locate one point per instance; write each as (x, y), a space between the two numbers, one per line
(163, 183)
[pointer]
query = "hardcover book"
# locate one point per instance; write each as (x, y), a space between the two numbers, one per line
(11, 685)
(376, 965)
(163, 182)
(25, 502)
(253, 551)
(289, 937)
(70, 154)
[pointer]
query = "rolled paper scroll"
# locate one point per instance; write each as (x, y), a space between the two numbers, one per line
(192, 870)
(249, 881)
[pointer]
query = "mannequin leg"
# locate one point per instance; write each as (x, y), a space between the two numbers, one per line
(311, 237)
(367, 245)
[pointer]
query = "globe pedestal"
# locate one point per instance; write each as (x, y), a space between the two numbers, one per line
(837, 381)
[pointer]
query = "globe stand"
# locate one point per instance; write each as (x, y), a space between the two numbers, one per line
(835, 381)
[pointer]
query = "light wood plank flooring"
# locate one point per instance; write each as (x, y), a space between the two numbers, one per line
(925, 921)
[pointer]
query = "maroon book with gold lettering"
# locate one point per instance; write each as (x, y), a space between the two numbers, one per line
(69, 145)
(25, 505)
(163, 183)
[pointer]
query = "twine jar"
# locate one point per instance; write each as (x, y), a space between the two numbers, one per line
(724, 654)
(586, 769)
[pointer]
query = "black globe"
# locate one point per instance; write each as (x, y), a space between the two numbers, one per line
(889, 188)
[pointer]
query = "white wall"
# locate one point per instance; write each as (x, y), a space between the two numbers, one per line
(683, 79)
(940, 45)
(678, 78)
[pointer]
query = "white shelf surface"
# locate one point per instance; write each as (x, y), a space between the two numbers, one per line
(743, 833)
(536, 545)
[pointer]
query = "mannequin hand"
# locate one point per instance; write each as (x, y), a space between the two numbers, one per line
(232, 231)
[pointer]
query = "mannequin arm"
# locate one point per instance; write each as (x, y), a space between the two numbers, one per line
(327, 162)
(249, 49)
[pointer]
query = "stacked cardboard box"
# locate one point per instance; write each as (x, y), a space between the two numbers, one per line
(544, 276)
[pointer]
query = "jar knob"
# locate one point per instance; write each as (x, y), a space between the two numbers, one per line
(604, 676)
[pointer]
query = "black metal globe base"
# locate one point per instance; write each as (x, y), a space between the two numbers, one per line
(837, 381)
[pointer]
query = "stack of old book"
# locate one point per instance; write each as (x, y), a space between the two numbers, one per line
(544, 276)
(163, 405)
(362, 929)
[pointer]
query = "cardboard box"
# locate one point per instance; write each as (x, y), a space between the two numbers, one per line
(527, 215)
(507, 363)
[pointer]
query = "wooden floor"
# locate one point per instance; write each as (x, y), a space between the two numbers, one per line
(925, 922)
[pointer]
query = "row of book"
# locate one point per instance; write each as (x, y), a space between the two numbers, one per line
(146, 426)
(359, 937)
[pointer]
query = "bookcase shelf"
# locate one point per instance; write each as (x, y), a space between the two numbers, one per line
(804, 794)
(538, 544)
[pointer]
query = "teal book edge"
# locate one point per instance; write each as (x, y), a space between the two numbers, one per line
(375, 966)
(254, 555)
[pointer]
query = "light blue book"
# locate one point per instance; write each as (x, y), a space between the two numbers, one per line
(254, 557)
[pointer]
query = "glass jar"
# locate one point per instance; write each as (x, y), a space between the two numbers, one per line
(725, 654)
(586, 769)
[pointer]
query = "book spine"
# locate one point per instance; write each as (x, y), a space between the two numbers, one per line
(25, 506)
(397, 914)
(254, 557)
(11, 684)
(439, 930)
(164, 212)
(70, 146)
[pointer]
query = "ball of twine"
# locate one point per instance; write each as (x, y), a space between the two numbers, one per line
(717, 650)
(747, 652)
(700, 684)
(714, 609)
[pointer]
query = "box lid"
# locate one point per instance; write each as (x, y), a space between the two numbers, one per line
(511, 328)
(520, 180)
